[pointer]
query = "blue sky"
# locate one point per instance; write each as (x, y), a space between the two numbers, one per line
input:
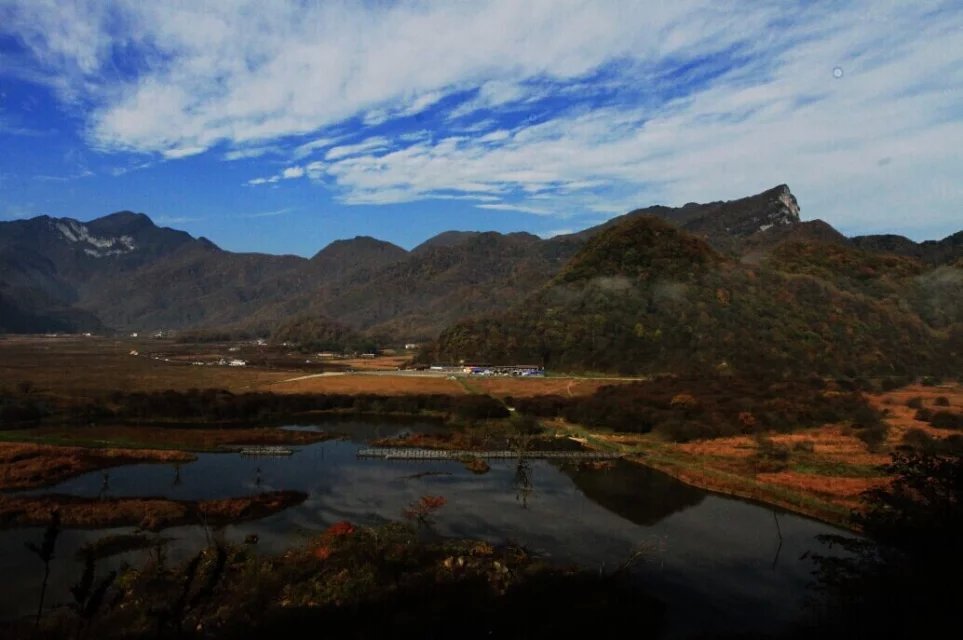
(279, 127)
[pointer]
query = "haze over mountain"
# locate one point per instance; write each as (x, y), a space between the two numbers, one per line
(662, 269)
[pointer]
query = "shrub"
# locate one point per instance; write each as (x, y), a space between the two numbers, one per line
(915, 402)
(923, 415)
(947, 420)
(770, 457)
(478, 408)
(873, 437)
(892, 383)
(941, 401)
(917, 439)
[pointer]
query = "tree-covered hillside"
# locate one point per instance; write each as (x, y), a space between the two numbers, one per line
(645, 296)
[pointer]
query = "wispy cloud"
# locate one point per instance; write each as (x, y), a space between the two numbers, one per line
(504, 206)
(371, 144)
(306, 149)
(168, 220)
(251, 152)
(83, 173)
(288, 173)
(549, 106)
(270, 214)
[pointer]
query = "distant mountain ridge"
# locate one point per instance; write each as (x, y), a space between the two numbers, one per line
(122, 272)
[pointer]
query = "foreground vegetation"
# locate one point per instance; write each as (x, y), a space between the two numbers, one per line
(351, 582)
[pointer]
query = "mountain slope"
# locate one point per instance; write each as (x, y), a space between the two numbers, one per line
(628, 282)
(436, 285)
(645, 296)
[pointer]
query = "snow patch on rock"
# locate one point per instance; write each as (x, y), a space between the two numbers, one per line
(77, 233)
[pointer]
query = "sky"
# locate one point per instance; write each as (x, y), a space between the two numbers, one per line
(282, 126)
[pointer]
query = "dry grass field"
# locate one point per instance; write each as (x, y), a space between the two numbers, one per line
(27, 466)
(901, 417)
(75, 366)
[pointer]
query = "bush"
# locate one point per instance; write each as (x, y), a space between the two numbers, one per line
(770, 457)
(931, 381)
(918, 439)
(873, 437)
(679, 430)
(923, 415)
(947, 420)
(893, 383)
(915, 402)
(478, 408)
(941, 401)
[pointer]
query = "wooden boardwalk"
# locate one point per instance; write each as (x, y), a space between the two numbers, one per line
(393, 453)
(270, 450)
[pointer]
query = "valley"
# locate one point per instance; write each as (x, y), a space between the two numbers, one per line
(756, 379)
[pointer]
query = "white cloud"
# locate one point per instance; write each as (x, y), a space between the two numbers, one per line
(504, 206)
(244, 71)
(251, 152)
(645, 102)
(292, 172)
(306, 149)
(182, 152)
(371, 144)
(168, 220)
(288, 173)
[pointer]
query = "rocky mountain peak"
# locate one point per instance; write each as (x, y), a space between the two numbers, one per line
(789, 213)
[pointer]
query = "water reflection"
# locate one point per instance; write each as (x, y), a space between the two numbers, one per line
(523, 483)
(725, 558)
(638, 494)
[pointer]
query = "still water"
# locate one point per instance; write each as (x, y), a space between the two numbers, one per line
(718, 563)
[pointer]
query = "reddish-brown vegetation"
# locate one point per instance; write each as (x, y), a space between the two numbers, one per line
(147, 513)
(24, 465)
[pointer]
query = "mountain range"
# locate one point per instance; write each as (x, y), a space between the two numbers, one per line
(121, 272)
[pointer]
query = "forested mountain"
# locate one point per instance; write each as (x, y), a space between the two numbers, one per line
(645, 296)
(718, 284)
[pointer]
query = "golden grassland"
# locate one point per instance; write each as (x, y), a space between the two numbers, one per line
(76, 367)
(901, 418)
(824, 475)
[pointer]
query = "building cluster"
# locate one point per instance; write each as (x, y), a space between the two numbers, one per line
(513, 370)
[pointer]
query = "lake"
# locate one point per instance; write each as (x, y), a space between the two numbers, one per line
(718, 563)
